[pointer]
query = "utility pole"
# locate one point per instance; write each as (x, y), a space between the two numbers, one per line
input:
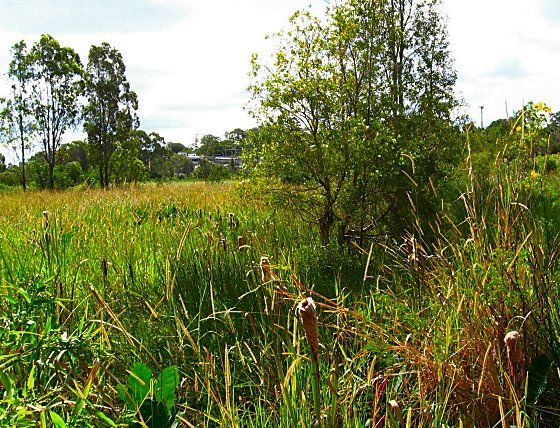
(481, 118)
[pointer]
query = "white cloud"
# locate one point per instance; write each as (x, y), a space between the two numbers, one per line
(191, 74)
(201, 60)
(504, 53)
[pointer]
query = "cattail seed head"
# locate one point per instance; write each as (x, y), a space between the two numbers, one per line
(231, 220)
(513, 347)
(46, 215)
(266, 271)
(307, 312)
(396, 411)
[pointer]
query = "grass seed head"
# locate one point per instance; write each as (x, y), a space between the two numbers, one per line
(513, 348)
(307, 312)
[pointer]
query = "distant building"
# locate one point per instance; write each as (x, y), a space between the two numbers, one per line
(194, 158)
(233, 162)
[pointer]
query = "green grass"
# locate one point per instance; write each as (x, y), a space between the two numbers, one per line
(95, 282)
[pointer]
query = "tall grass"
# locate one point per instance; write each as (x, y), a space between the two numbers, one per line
(411, 332)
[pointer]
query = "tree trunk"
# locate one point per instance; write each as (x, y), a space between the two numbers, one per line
(101, 178)
(325, 225)
(22, 141)
(23, 175)
(106, 167)
(51, 176)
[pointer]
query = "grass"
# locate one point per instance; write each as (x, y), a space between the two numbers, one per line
(411, 333)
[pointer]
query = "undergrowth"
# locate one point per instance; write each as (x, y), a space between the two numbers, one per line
(101, 291)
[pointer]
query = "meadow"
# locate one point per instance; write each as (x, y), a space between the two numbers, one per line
(152, 306)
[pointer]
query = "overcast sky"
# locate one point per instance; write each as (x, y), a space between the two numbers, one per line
(188, 59)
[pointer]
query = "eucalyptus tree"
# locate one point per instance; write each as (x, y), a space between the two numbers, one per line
(337, 103)
(55, 77)
(16, 114)
(110, 113)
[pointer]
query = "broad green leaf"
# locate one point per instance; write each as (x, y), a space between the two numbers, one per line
(139, 382)
(125, 396)
(167, 382)
(57, 420)
(31, 379)
(6, 381)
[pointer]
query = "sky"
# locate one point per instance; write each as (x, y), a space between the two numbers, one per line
(188, 60)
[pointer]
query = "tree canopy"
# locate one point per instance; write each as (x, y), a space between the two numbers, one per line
(349, 106)
(110, 114)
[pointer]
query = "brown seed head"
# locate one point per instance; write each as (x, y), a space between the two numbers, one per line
(307, 312)
(266, 272)
(46, 214)
(513, 348)
(395, 409)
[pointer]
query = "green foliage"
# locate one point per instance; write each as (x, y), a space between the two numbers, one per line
(110, 115)
(419, 321)
(68, 175)
(10, 177)
(18, 127)
(177, 147)
(210, 145)
(125, 167)
(208, 170)
(56, 85)
(153, 399)
(355, 113)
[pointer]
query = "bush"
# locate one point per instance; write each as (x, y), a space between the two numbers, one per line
(68, 175)
(213, 172)
(550, 165)
(9, 178)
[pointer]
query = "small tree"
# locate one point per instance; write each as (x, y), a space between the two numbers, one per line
(345, 103)
(125, 165)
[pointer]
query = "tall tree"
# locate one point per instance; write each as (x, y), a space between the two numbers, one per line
(16, 115)
(56, 85)
(110, 115)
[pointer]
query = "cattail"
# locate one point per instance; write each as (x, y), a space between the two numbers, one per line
(104, 268)
(241, 243)
(307, 313)
(513, 349)
(46, 214)
(231, 220)
(395, 410)
(266, 271)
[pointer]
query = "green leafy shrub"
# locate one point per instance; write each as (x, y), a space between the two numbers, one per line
(151, 399)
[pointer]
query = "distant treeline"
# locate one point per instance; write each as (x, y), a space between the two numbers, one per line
(52, 93)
